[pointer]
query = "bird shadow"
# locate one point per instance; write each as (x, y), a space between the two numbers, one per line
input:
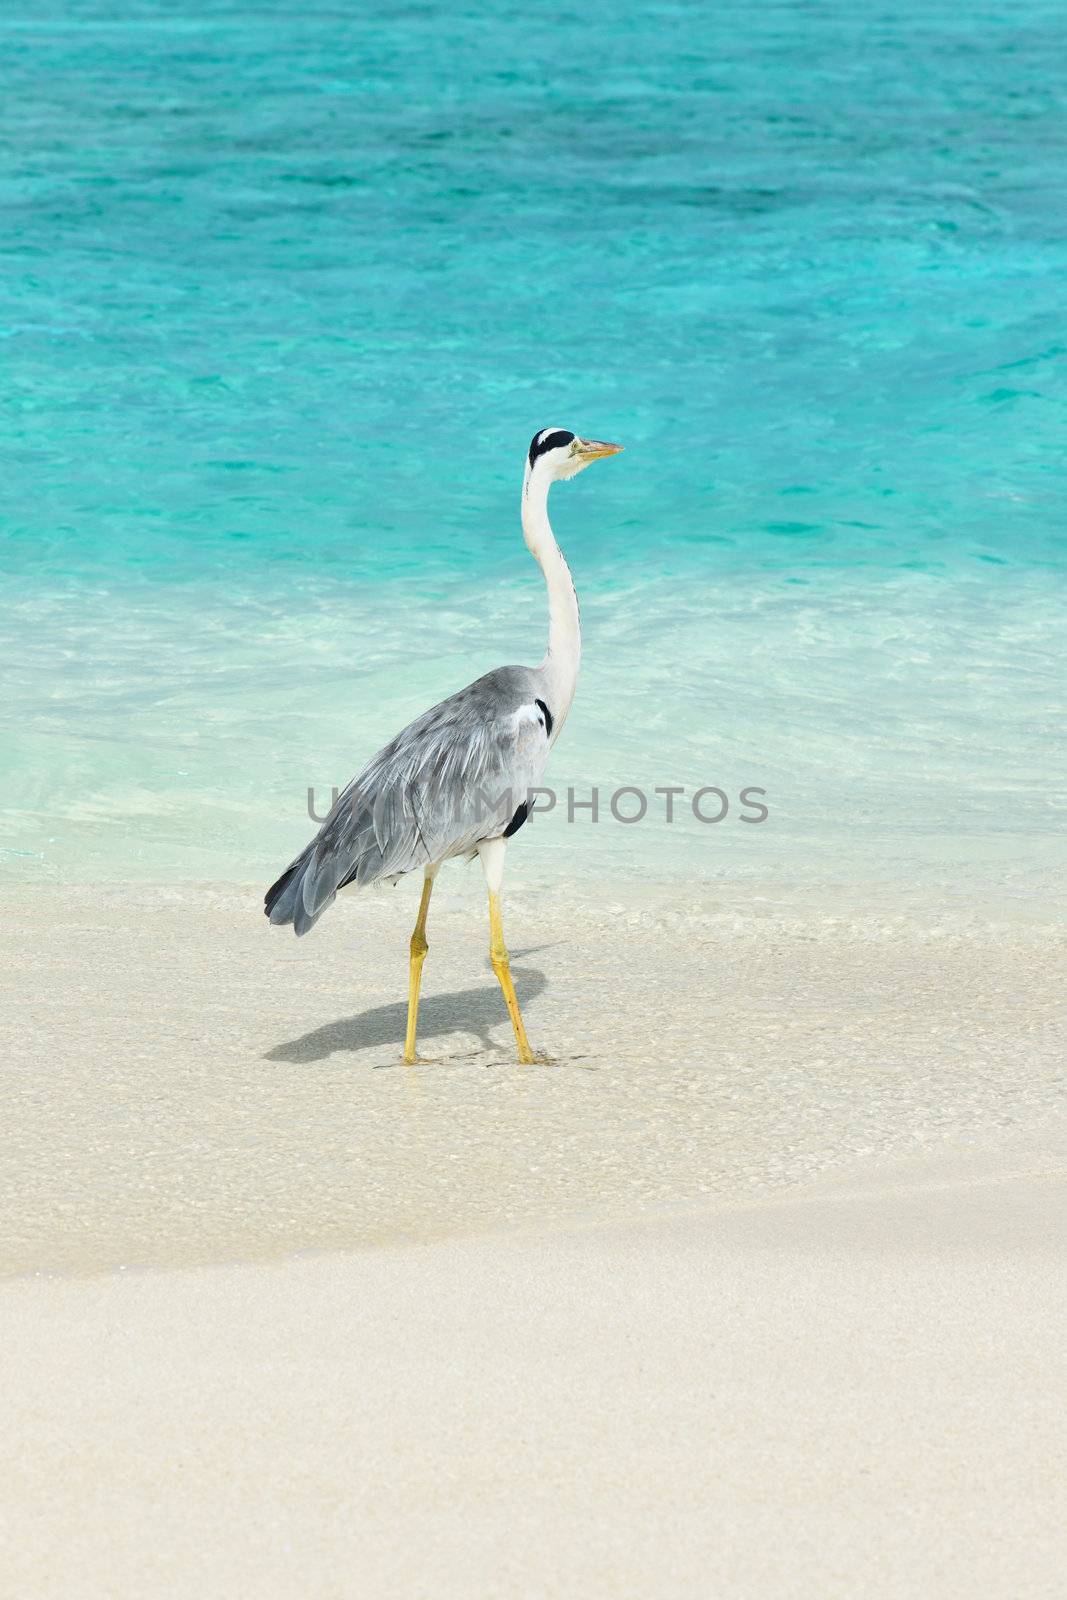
(463, 1011)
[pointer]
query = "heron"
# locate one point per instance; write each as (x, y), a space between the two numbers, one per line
(459, 780)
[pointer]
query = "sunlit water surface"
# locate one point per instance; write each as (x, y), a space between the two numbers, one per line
(286, 291)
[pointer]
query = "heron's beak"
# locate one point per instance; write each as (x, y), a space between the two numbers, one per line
(593, 449)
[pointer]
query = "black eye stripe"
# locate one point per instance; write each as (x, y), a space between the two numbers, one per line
(549, 441)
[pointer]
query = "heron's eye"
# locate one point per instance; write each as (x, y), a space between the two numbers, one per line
(550, 439)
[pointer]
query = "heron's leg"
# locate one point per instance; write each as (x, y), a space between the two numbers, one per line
(419, 948)
(492, 854)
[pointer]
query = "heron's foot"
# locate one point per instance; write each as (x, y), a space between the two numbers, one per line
(415, 1060)
(536, 1058)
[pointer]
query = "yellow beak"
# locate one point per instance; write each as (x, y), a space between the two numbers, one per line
(593, 449)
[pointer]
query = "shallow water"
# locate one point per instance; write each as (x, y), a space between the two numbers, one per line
(285, 295)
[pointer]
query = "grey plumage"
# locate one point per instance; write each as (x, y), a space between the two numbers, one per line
(453, 778)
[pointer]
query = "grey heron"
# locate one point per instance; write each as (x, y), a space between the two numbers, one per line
(457, 780)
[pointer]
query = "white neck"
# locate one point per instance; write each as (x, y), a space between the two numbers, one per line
(564, 626)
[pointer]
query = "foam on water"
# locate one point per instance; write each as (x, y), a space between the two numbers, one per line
(286, 292)
(902, 729)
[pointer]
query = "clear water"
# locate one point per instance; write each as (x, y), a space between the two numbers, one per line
(287, 289)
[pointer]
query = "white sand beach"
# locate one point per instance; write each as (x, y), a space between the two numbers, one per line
(855, 1389)
(758, 1290)
(752, 1284)
(189, 1086)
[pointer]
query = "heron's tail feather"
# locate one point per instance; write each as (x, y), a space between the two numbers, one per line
(285, 902)
(309, 885)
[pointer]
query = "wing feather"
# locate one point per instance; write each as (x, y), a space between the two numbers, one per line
(453, 777)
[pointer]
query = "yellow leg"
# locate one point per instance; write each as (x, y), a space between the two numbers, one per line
(419, 948)
(499, 956)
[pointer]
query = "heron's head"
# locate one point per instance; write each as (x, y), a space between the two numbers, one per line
(558, 453)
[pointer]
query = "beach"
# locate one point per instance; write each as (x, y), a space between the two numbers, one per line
(190, 1086)
(755, 1288)
(752, 1285)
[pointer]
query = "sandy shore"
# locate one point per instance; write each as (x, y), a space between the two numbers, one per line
(852, 1390)
(757, 1291)
(186, 1085)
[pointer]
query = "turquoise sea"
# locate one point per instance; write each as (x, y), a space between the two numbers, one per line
(286, 290)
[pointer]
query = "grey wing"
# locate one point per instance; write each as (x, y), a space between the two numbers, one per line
(453, 777)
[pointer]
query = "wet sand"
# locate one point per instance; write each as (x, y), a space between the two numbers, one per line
(187, 1086)
(757, 1290)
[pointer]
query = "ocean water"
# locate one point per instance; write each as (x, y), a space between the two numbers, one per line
(285, 292)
